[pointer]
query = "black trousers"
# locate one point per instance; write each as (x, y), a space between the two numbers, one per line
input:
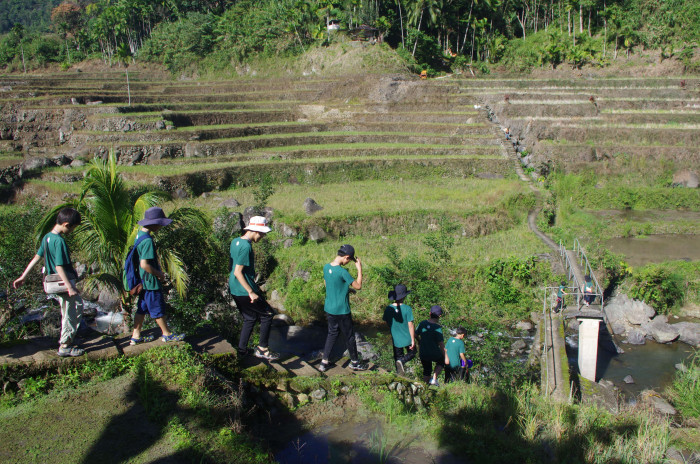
(340, 323)
(400, 356)
(252, 313)
(428, 366)
(455, 373)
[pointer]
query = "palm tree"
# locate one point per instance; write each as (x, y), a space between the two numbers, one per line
(110, 213)
(124, 56)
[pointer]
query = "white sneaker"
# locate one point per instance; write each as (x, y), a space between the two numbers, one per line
(434, 382)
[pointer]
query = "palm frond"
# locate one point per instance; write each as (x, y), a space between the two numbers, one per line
(94, 282)
(176, 270)
(190, 218)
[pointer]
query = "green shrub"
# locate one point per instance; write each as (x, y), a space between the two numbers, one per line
(658, 286)
(685, 391)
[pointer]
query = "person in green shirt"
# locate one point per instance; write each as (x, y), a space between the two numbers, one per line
(54, 251)
(399, 317)
(151, 300)
(245, 291)
(560, 297)
(432, 346)
(337, 306)
(455, 359)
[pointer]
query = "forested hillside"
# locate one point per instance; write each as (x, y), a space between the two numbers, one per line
(430, 34)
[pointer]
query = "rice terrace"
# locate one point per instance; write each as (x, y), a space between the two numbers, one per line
(533, 174)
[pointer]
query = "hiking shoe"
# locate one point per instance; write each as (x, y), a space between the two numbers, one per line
(358, 366)
(399, 367)
(173, 338)
(434, 382)
(70, 351)
(323, 367)
(138, 341)
(267, 354)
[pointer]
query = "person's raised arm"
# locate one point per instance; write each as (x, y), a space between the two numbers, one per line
(20, 280)
(357, 283)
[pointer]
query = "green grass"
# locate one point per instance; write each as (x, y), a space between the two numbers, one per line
(378, 146)
(372, 197)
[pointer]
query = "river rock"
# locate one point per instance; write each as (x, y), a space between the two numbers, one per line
(318, 394)
(659, 404)
(108, 299)
(288, 399)
(77, 163)
(574, 323)
(524, 325)
(316, 233)
(636, 337)
(180, 193)
(286, 231)
(288, 243)
(399, 388)
(303, 398)
(310, 206)
(628, 379)
(660, 330)
(681, 367)
(689, 332)
(518, 345)
(686, 178)
(81, 270)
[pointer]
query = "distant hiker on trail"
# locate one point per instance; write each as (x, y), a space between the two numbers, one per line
(399, 317)
(337, 306)
(560, 297)
(245, 291)
(432, 346)
(151, 300)
(588, 295)
(56, 256)
(456, 366)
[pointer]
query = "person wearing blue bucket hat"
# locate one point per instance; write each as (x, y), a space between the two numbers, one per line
(151, 300)
(399, 317)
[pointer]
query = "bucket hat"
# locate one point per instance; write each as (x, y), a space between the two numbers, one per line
(347, 250)
(436, 310)
(398, 293)
(258, 224)
(154, 216)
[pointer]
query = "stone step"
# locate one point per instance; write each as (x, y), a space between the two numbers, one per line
(299, 368)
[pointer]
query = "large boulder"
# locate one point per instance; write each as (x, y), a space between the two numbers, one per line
(227, 224)
(660, 330)
(689, 332)
(616, 307)
(660, 405)
(34, 164)
(286, 231)
(686, 178)
(108, 299)
(316, 233)
(310, 206)
(230, 203)
(637, 313)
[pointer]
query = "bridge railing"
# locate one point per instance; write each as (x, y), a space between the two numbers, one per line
(587, 269)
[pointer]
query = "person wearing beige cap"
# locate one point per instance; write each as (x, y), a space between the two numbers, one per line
(245, 290)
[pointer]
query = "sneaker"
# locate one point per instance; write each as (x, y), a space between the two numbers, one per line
(323, 367)
(358, 366)
(434, 382)
(399, 367)
(70, 351)
(242, 352)
(267, 354)
(173, 338)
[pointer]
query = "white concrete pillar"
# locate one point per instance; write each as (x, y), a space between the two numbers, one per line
(588, 347)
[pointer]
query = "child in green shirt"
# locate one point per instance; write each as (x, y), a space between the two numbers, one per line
(432, 346)
(455, 359)
(57, 261)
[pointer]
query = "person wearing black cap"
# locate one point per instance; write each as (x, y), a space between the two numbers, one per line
(151, 300)
(432, 346)
(337, 305)
(399, 317)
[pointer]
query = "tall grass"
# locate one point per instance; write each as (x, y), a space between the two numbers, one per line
(685, 390)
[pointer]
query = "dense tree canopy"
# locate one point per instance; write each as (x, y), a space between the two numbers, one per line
(434, 33)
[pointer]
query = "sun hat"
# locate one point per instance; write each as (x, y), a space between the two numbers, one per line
(398, 293)
(154, 216)
(436, 310)
(258, 224)
(347, 250)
